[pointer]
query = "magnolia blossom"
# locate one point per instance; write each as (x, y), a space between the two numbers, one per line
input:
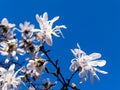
(48, 85)
(29, 46)
(6, 23)
(46, 31)
(9, 78)
(10, 48)
(87, 63)
(26, 29)
(36, 66)
(7, 28)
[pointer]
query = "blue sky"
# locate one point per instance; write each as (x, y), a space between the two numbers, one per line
(94, 24)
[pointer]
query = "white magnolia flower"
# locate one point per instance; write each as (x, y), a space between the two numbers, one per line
(10, 48)
(7, 29)
(87, 63)
(36, 66)
(9, 78)
(6, 23)
(29, 46)
(48, 85)
(46, 31)
(26, 29)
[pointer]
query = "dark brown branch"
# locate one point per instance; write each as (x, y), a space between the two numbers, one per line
(49, 59)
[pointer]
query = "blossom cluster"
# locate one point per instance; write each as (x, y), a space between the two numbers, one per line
(87, 63)
(31, 44)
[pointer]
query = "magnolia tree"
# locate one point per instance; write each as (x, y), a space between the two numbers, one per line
(26, 73)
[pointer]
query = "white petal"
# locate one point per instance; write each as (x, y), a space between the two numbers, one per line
(92, 74)
(74, 66)
(6, 23)
(61, 33)
(30, 65)
(99, 63)
(2, 69)
(101, 71)
(55, 34)
(20, 51)
(26, 24)
(14, 53)
(17, 72)
(37, 73)
(37, 18)
(6, 60)
(53, 20)
(15, 57)
(73, 51)
(91, 78)
(11, 68)
(62, 26)
(35, 30)
(4, 53)
(83, 73)
(78, 45)
(48, 39)
(45, 16)
(11, 25)
(58, 27)
(6, 87)
(21, 25)
(95, 56)
(97, 77)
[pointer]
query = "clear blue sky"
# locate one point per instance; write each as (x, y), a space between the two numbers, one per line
(94, 24)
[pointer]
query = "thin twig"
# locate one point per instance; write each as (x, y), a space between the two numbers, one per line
(49, 59)
(72, 76)
(30, 82)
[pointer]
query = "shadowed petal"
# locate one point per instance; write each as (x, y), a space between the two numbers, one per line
(48, 39)
(95, 56)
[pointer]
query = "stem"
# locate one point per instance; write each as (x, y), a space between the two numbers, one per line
(30, 82)
(72, 76)
(64, 82)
